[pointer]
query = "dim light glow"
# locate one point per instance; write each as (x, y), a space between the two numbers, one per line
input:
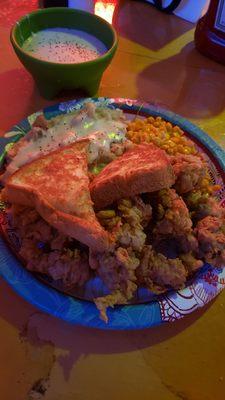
(105, 9)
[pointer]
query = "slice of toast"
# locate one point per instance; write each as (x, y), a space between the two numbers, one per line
(57, 186)
(144, 168)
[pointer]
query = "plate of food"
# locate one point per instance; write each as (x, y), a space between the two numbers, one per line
(112, 213)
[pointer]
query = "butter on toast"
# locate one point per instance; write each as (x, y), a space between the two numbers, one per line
(57, 186)
(144, 168)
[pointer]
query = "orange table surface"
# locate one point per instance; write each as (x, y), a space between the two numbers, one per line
(156, 61)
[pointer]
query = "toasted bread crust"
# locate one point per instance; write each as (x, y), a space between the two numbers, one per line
(88, 232)
(144, 168)
(39, 184)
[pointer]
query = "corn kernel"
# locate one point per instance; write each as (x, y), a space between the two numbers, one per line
(187, 150)
(125, 203)
(215, 188)
(169, 126)
(106, 214)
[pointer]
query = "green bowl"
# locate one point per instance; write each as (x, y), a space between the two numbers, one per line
(51, 77)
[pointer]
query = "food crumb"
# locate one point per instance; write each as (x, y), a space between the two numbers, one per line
(38, 390)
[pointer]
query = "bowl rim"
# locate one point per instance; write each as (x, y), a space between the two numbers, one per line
(71, 11)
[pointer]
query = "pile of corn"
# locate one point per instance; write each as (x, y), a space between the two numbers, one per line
(162, 133)
(169, 138)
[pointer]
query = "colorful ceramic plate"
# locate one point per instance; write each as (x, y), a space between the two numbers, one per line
(147, 311)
